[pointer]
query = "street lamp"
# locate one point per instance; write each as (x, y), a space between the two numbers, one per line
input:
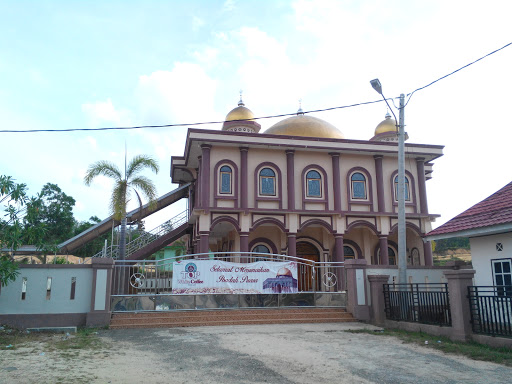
(402, 260)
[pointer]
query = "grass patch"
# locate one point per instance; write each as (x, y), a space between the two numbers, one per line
(473, 350)
(84, 339)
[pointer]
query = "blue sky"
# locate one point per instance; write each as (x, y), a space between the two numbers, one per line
(74, 64)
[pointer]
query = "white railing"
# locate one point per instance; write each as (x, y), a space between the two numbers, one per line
(146, 237)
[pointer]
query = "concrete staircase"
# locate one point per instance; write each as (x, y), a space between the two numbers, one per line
(196, 318)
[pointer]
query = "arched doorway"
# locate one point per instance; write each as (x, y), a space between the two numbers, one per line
(306, 279)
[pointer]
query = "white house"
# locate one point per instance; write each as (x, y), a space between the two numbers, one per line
(488, 224)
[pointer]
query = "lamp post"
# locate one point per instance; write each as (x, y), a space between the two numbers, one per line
(402, 244)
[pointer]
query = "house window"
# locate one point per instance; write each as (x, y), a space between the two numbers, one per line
(267, 182)
(225, 179)
(348, 252)
(313, 184)
(358, 184)
(407, 191)
(502, 270)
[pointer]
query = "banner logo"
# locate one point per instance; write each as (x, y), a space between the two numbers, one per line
(190, 271)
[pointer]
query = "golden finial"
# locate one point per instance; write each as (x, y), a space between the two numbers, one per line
(300, 111)
(241, 103)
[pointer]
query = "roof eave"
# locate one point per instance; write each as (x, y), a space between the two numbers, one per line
(474, 232)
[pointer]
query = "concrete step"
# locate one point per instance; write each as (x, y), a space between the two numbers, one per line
(228, 317)
(237, 311)
(181, 319)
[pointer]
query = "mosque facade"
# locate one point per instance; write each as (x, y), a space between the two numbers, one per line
(302, 189)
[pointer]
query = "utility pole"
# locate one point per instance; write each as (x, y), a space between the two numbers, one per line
(402, 244)
(402, 239)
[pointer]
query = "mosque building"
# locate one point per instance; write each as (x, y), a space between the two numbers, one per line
(302, 189)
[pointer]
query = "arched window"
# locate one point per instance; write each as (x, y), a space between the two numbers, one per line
(358, 186)
(225, 179)
(348, 252)
(313, 184)
(392, 256)
(260, 248)
(415, 256)
(267, 182)
(407, 190)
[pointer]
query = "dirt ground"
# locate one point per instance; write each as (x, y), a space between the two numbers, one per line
(282, 354)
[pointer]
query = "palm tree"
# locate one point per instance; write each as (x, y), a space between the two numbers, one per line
(124, 186)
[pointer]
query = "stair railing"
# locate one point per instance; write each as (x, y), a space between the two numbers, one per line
(146, 237)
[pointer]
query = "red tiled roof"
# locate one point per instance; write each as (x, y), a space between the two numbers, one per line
(495, 210)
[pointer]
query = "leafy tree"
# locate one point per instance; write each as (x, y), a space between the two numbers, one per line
(56, 212)
(17, 207)
(124, 185)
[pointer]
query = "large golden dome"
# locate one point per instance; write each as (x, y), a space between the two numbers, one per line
(307, 126)
(386, 125)
(240, 113)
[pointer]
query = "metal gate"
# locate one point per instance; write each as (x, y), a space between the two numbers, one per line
(145, 285)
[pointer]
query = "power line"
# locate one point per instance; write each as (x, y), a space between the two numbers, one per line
(457, 70)
(184, 124)
(255, 118)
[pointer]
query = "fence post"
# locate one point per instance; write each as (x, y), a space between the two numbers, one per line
(357, 304)
(100, 292)
(458, 282)
(377, 308)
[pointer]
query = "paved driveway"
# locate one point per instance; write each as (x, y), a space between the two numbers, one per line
(303, 353)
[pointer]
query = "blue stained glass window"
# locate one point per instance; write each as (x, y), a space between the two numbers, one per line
(267, 172)
(313, 175)
(225, 179)
(358, 177)
(358, 182)
(267, 182)
(407, 193)
(314, 184)
(267, 186)
(314, 188)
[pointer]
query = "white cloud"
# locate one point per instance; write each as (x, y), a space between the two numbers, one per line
(184, 94)
(104, 112)
(207, 57)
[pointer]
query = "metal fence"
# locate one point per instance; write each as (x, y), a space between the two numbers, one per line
(150, 277)
(419, 303)
(491, 310)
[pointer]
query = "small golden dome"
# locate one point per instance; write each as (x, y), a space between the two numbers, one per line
(307, 126)
(240, 113)
(386, 125)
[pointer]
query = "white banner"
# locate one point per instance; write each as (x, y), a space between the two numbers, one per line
(221, 277)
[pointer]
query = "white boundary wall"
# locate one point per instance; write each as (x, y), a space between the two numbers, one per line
(59, 301)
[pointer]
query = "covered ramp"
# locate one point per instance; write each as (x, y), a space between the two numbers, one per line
(136, 214)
